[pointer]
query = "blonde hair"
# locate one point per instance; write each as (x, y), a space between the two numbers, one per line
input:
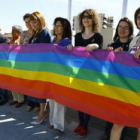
(38, 16)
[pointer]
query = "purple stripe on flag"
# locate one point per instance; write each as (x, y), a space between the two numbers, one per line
(123, 57)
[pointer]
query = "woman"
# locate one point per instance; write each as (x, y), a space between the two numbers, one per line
(123, 36)
(117, 129)
(137, 43)
(121, 41)
(41, 35)
(91, 40)
(26, 35)
(62, 33)
(16, 35)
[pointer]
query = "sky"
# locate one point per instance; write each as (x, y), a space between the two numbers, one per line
(12, 11)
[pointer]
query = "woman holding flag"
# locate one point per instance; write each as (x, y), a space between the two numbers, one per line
(91, 39)
(41, 35)
(122, 38)
(62, 36)
(117, 129)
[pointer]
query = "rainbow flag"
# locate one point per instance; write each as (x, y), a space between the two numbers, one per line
(103, 84)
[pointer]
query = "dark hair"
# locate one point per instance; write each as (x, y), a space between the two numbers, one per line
(131, 28)
(135, 16)
(66, 26)
(95, 20)
(26, 16)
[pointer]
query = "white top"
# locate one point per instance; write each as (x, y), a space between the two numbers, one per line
(133, 42)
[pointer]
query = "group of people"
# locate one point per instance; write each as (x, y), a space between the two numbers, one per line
(91, 39)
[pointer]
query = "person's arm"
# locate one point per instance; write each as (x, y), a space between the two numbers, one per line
(66, 42)
(23, 37)
(109, 47)
(119, 49)
(137, 54)
(99, 40)
(97, 45)
(77, 39)
(115, 45)
(91, 47)
(45, 37)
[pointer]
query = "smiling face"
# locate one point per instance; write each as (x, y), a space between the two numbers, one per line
(123, 29)
(27, 23)
(35, 24)
(87, 20)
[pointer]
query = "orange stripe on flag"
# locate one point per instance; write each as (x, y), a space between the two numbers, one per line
(99, 106)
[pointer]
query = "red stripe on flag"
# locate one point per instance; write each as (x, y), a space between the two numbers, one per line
(99, 106)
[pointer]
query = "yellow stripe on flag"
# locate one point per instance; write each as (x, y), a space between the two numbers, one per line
(101, 89)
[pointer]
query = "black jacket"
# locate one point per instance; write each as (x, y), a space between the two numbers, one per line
(3, 39)
(116, 44)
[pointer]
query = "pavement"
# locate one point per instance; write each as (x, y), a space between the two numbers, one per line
(15, 125)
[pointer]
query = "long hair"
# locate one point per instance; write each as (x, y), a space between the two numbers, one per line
(66, 26)
(135, 16)
(38, 16)
(95, 20)
(131, 28)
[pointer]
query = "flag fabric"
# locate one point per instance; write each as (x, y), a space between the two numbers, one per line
(101, 83)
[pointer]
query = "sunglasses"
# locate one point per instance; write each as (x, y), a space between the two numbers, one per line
(87, 17)
(123, 28)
